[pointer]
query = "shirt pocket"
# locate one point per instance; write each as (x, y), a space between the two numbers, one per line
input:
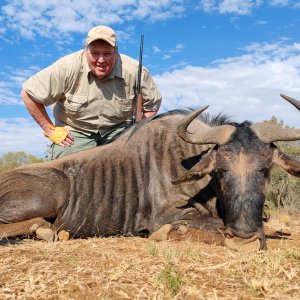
(125, 105)
(75, 104)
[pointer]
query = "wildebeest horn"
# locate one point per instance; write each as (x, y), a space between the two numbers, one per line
(205, 134)
(269, 133)
(291, 100)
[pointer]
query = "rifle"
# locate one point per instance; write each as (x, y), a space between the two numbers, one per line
(139, 102)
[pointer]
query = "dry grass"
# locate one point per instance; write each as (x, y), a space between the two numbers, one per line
(135, 268)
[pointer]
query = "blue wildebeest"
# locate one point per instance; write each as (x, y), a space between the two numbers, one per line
(174, 169)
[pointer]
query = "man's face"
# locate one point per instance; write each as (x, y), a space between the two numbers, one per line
(101, 58)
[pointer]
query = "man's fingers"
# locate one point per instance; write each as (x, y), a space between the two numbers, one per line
(69, 140)
(70, 136)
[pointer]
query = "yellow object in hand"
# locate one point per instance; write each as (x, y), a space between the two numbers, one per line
(59, 134)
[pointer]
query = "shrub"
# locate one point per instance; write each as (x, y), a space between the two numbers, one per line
(12, 160)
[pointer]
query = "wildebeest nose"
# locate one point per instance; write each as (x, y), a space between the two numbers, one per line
(234, 239)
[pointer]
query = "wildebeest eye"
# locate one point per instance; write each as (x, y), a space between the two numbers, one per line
(263, 170)
(223, 170)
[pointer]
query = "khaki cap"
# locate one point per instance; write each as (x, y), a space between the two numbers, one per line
(102, 33)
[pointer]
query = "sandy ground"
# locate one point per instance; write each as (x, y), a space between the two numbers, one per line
(136, 268)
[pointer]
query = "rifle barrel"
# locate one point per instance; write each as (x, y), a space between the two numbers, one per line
(139, 105)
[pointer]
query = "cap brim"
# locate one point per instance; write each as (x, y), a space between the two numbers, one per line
(89, 41)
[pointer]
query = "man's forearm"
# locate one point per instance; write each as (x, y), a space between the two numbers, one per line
(38, 112)
(58, 135)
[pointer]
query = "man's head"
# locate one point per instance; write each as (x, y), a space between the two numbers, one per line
(101, 50)
(102, 33)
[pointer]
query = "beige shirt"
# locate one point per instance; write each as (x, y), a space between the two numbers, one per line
(86, 103)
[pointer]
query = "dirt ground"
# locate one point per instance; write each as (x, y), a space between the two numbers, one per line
(136, 268)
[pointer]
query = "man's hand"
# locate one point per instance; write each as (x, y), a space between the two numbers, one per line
(149, 114)
(59, 136)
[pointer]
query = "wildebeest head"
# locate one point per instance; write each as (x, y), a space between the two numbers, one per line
(240, 161)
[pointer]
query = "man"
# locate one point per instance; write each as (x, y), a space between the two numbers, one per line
(93, 92)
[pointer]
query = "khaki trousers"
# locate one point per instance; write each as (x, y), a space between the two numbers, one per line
(82, 141)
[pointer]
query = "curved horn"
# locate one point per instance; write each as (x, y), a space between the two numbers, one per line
(291, 100)
(269, 133)
(205, 134)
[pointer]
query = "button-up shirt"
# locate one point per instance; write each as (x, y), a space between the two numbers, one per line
(85, 103)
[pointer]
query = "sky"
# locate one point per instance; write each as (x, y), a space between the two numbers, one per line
(237, 56)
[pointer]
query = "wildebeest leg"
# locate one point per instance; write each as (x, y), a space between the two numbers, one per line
(161, 234)
(40, 227)
(28, 196)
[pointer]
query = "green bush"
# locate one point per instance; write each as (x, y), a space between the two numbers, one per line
(12, 160)
(284, 189)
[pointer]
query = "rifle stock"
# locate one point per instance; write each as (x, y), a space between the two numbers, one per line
(139, 108)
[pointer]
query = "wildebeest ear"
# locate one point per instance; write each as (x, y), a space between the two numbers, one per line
(287, 163)
(202, 168)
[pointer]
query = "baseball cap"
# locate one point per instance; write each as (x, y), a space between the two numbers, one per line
(102, 33)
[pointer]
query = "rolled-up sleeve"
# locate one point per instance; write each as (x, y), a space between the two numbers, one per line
(48, 85)
(151, 95)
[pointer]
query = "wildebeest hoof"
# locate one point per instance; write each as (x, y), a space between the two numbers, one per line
(182, 229)
(161, 234)
(63, 235)
(34, 227)
(46, 234)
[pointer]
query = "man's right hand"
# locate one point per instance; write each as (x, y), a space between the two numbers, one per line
(60, 136)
